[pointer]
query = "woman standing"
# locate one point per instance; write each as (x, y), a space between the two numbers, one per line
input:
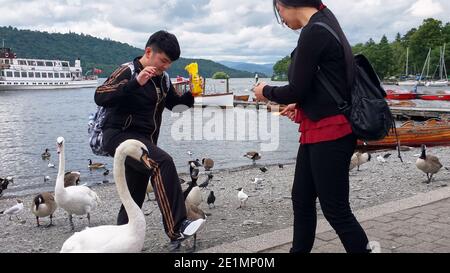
(327, 141)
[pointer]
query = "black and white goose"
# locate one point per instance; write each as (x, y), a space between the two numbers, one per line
(192, 194)
(429, 164)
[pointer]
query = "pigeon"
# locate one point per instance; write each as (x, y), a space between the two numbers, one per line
(263, 169)
(211, 199)
(46, 178)
(281, 166)
(206, 182)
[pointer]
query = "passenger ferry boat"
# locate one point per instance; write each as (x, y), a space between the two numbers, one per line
(26, 74)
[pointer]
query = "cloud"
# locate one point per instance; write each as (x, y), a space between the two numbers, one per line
(425, 8)
(234, 30)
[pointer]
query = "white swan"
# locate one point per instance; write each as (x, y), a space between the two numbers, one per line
(77, 200)
(110, 238)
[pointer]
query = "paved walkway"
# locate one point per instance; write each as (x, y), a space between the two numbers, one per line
(419, 224)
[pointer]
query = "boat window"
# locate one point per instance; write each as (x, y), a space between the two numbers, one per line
(56, 75)
(9, 74)
(16, 74)
(24, 74)
(44, 75)
(30, 74)
(62, 75)
(2, 73)
(50, 75)
(32, 63)
(6, 61)
(67, 75)
(38, 74)
(49, 63)
(65, 64)
(22, 62)
(40, 63)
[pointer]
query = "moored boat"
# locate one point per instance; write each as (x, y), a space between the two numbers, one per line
(400, 95)
(241, 97)
(445, 96)
(32, 74)
(431, 132)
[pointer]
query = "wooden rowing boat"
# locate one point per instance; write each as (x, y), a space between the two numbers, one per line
(241, 97)
(431, 132)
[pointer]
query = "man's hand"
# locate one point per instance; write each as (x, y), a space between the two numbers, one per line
(289, 111)
(258, 89)
(146, 74)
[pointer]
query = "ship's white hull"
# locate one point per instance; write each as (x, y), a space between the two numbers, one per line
(22, 85)
(225, 99)
(442, 83)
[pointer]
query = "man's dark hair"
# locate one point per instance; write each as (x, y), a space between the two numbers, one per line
(163, 41)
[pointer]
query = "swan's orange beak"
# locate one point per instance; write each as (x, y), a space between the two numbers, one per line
(146, 160)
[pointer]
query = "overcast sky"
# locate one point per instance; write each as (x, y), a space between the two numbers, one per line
(233, 30)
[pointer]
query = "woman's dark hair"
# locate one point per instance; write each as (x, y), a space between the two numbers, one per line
(334, 25)
(163, 41)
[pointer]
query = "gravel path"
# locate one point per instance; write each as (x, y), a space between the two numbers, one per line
(268, 207)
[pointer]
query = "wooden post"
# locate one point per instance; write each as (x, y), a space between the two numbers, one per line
(227, 85)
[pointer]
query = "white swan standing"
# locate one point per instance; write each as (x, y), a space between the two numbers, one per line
(77, 200)
(110, 238)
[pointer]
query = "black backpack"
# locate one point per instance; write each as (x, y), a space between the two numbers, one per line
(368, 111)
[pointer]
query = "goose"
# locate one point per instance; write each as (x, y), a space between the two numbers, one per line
(194, 213)
(95, 165)
(253, 156)
(111, 238)
(358, 159)
(207, 163)
(71, 179)
(77, 200)
(14, 210)
(428, 164)
(192, 194)
(44, 205)
(46, 154)
(242, 196)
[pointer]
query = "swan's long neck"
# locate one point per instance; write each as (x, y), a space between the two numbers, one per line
(61, 169)
(135, 215)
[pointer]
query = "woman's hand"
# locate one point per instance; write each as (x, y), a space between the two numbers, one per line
(289, 111)
(258, 89)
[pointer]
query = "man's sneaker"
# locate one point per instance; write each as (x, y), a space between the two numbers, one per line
(189, 228)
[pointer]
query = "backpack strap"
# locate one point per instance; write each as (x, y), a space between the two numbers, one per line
(322, 24)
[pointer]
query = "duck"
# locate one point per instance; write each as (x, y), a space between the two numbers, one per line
(112, 238)
(207, 163)
(79, 200)
(44, 205)
(253, 156)
(358, 159)
(242, 196)
(95, 165)
(71, 178)
(46, 154)
(429, 164)
(14, 210)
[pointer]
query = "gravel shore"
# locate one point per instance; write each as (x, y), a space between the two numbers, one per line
(268, 207)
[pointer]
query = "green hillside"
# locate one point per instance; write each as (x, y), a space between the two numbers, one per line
(94, 52)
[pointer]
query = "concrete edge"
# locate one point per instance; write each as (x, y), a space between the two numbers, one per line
(284, 236)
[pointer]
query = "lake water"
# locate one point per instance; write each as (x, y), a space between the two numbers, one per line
(30, 121)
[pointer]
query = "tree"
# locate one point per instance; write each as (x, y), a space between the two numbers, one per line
(280, 69)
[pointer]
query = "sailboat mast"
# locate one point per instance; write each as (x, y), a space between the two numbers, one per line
(407, 60)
